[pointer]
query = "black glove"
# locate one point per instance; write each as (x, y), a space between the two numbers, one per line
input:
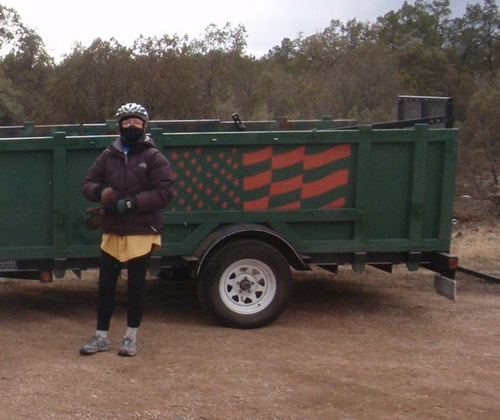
(94, 221)
(125, 205)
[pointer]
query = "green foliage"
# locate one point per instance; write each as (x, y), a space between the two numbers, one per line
(10, 108)
(474, 42)
(25, 64)
(480, 149)
(348, 69)
(90, 83)
(368, 93)
(11, 30)
(424, 21)
(224, 40)
(31, 68)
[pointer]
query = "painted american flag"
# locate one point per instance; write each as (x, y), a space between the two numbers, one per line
(272, 177)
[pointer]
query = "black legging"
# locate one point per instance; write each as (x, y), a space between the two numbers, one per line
(109, 270)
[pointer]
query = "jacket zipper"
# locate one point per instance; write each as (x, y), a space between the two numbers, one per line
(125, 152)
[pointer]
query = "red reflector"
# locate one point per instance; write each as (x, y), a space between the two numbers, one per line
(453, 263)
(46, 277)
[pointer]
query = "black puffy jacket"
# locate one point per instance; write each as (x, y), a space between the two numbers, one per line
(143, 174)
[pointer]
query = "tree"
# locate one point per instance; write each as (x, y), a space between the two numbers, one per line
(327, 47)
(480, 148)
(163, 74)
(11, 30)
(11, 111)
(91, 83)
(323, 49)
(423, 71)
(26, 65)
(423, 21)
(364, 84)
(30, 68)
(216, 55)
(226, 39)
(417, 35)
(474, 43)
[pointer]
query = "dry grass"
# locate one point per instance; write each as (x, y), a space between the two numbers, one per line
(477, 246)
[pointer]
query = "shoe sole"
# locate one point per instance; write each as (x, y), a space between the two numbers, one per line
(126, 354)
(90, 352)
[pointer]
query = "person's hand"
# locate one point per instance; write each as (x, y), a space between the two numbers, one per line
(94, 221)
(108, 195)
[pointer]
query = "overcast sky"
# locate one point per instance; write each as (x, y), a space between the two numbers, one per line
(61, 23)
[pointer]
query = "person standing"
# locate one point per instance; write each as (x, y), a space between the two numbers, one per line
(133, 181)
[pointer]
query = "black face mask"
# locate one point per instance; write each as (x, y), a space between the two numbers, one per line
(131, 134)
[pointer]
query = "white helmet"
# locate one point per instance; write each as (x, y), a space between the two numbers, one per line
(132, 110)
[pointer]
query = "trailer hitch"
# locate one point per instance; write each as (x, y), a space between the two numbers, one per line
(478, 274)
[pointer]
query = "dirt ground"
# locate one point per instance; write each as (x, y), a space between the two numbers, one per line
(350, 346)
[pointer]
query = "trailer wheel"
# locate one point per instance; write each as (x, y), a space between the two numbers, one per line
(245, 284)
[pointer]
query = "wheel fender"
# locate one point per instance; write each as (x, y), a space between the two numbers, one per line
(246, 230)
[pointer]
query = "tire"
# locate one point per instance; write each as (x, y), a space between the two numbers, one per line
(245, 284)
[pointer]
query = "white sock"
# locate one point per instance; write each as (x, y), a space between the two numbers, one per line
(102, 333)
(131, 332)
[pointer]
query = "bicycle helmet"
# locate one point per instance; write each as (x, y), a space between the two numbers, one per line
(131, 110)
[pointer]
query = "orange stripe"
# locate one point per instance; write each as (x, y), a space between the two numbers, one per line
(289, 158)
(290, 206)
(257, 181)
(259, 204)
(331, 155)
(337, 204)
(328, 183)
(259, 156)
(282, 187)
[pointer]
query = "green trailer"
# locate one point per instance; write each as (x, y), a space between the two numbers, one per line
(110, 127)
(250, 205)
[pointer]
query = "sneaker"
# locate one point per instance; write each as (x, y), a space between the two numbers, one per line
(96, 344)
(128, 347)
